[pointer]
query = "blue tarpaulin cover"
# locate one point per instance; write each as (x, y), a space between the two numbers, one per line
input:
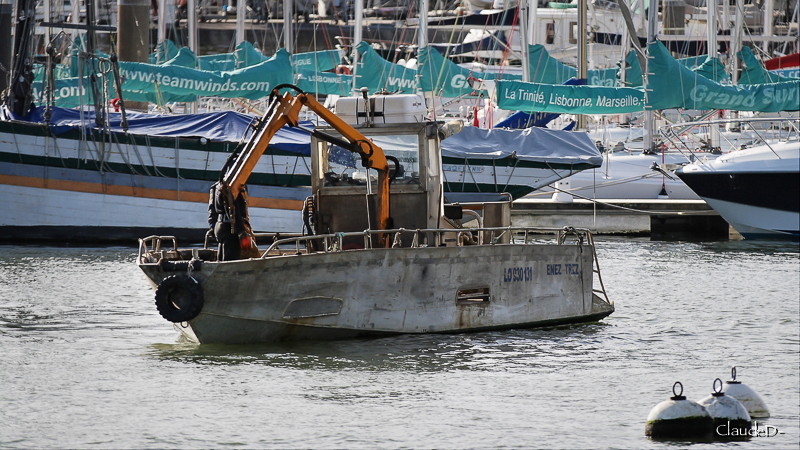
(214, 126)
(531, 144)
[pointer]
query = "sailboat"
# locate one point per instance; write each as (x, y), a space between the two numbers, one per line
(100, 176)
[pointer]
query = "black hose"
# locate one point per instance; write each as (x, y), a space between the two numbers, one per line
(284, 86)
(398, 169)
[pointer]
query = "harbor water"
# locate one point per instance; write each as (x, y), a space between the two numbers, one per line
(87, 362)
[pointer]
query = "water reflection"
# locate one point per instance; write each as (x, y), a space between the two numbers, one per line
(754, 246)
(416, 353)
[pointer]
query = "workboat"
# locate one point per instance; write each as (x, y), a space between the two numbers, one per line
(379, 254)
(756, 190)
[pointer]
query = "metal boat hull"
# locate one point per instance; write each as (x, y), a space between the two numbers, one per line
(391, 291)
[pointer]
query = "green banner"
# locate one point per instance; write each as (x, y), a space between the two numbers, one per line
(320, 61)
(184, 58)
(558, 98)
(252, 82)
(754, 72)
(713, 69)
(165, 51)
(70, 92)
(447, 79)
(220, 62)
(548, 70)
(377, 74)
(545, 69)
(671, 85)
(323, 82)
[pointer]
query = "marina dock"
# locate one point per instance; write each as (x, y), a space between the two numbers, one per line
(659, 219)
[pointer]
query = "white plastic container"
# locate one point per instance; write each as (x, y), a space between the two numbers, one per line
(400, 108)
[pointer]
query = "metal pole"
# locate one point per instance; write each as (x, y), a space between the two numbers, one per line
(75, 16)
(241, 12)
(769, 9)
(134, 28)
(47, 18)
(736, 45)
(533, 18)
(582, 56)
(6, 11)
(422, 42)
(162, 21)
(652, 23)
(288, 28)
(423, 24)
(191, 24)
(713, 50)
(358, 24)
(524, 39)
(711, 27)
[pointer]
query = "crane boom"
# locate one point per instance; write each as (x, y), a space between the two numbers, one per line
(284, 110)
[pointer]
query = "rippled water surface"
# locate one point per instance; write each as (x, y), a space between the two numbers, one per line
(86, 361)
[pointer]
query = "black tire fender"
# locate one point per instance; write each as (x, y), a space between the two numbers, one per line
(179, 298)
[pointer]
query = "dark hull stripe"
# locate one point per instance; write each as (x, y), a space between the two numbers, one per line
(775, 190)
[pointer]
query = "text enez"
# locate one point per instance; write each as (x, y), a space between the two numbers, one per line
(568, 269)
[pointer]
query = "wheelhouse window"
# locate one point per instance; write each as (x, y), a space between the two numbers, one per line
(344, 167)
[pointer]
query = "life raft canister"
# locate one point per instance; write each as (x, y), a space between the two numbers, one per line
(179, 298)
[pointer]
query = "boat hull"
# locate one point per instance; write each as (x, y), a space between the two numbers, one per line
(755, 222)
(757, 191)
(54, 204)
(391, 291)
(757, 205)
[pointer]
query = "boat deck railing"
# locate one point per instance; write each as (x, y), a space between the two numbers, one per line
(156, 249)
(763, 129)
(424, 237)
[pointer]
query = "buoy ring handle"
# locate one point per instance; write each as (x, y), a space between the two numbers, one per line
(733, 377)
(717, 390)
(679, 394)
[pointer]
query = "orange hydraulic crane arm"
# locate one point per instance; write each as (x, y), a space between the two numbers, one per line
(285, 110)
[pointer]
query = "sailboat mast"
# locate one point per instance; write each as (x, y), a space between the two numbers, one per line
(91, 51)
(358, 24)
(288, 26)
(649, 118)
(241, 12)
(6, 11)
(711, 31)
(524, 36)
(20, 92)
(162, 22)
(582, 56)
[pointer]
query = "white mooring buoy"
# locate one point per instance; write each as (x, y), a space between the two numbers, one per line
(731, 420)
(678, 418)
(748, 397)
